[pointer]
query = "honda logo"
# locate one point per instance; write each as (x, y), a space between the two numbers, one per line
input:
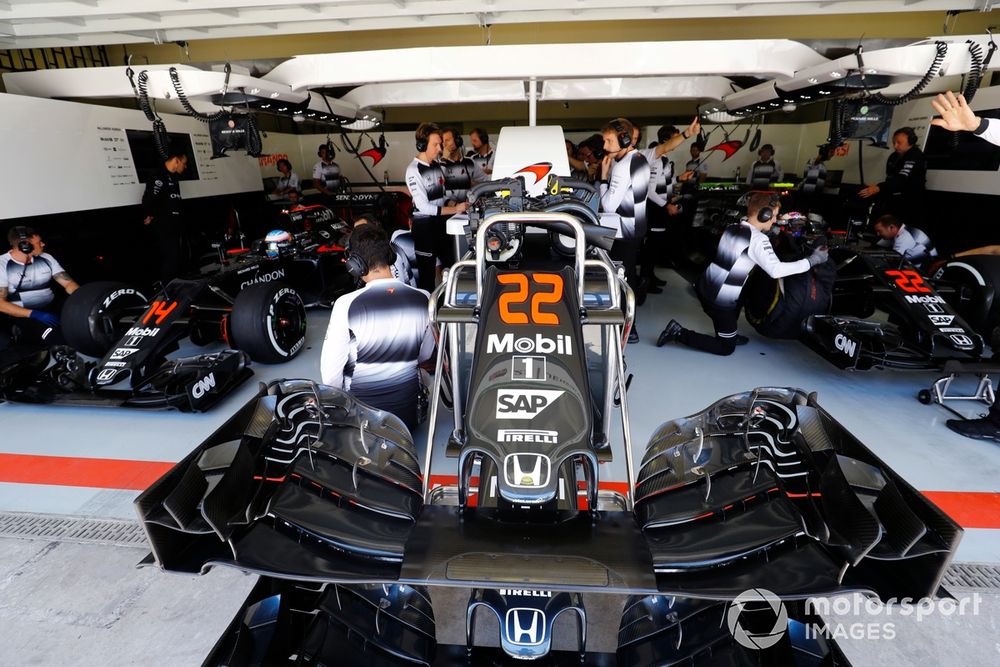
(527, 470)
(961, 340)
(524, 626)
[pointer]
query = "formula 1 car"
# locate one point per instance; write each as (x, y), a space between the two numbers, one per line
(763, 489)
(923, 331)
(249, 301)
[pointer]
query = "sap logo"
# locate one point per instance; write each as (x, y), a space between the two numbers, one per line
(524, 403)
(122, 292)
(928, 298)
(941, 320)
(203, 386)
(143, 331)
(122, 352)
(277, 274)
(961, 341)
(527, 470)
(106, 375)
(524, 626)
(561, 344)
(845, 345)
(528, 436)
(525, 593)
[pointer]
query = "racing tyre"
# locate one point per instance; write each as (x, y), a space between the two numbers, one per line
(268, 322)
(91, 315)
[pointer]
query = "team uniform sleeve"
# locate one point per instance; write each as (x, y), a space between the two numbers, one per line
(762, 254)
(779, 173)
(151, 196)
(615, 190)
(318, 171)
(421, 204)
(336, 346)
(896, 183)
(989, 130)
(54, 264)
(293, 182)
(4, 259)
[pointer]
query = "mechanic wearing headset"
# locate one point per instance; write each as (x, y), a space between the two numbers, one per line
(624, 187)
(326, 172)
(426, 183)
(901, 193)
(26, 277)
(458, 169)
(400, 268)
(659, 205)
(481, 154)
(379, 334)
(288, 182)
(161, 202)
(742, 247)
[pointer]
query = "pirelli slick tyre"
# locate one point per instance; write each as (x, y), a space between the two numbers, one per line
(268, 322)
(91, 316)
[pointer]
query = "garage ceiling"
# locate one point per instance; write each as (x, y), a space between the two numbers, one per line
(61, 23)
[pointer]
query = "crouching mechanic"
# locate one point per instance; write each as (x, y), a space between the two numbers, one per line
(742, 247)
(26, 295)
(379, 334)
(909, 242)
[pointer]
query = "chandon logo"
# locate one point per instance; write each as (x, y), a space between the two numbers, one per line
(845, 345)
(277, 274)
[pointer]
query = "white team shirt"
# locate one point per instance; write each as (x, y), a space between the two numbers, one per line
(29, 285)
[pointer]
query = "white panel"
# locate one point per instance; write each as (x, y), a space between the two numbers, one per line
(411, 93)
(61, 164)
(520, 147)
(652, 88)
(776, 57)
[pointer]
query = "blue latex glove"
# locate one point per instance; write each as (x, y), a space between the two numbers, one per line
(48, 319)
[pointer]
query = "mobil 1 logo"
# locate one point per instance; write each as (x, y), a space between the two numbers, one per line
(528, 367)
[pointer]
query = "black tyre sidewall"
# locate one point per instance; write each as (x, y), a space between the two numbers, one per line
(252, 327)
(87, 306)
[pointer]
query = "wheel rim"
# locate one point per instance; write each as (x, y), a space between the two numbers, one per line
(288, 323)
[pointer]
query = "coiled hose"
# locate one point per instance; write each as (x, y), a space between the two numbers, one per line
(941, 52)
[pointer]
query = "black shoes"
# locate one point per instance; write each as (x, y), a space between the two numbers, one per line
(657, 282)
(740, 339)
(633, 336)
(669, 333)
(979, 429)
(654, 289)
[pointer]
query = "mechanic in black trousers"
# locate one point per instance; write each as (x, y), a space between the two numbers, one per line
(624, 187)
(378, 335)
(902, 191)
(425, 180)
(27, 299)
(742, 247)
(161, 202)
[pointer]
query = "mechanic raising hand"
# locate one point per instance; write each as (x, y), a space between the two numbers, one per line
(26, 296)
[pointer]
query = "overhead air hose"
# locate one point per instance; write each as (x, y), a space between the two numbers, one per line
(941, 52)
(140, 87)
(175, 79)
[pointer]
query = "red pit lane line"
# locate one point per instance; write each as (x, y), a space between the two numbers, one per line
(970, 509)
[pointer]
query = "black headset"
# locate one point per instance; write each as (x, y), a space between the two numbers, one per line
(911, 136)
(24, 240)
(766, 213)
(356, 265)
(421, 144)
(624, 136)
(330, 152)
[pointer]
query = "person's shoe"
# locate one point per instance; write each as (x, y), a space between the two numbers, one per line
(633, 336)
(654, 289)
(740, 339)
(657, 282)
(669, 333)
(979, 429)
(640, 295)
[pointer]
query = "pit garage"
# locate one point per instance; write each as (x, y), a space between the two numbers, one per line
(400, 333)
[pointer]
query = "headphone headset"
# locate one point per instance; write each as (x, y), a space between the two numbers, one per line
(23, 240)
(421, 144)
(356, 265)
(624, 136)
(459, 141)
(330, 151)
(766, 213)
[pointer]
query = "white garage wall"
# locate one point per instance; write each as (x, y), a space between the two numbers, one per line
(57, 159)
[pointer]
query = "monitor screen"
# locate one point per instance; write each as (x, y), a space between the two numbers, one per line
(863, 120)
(962, 151)
(147, 159)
